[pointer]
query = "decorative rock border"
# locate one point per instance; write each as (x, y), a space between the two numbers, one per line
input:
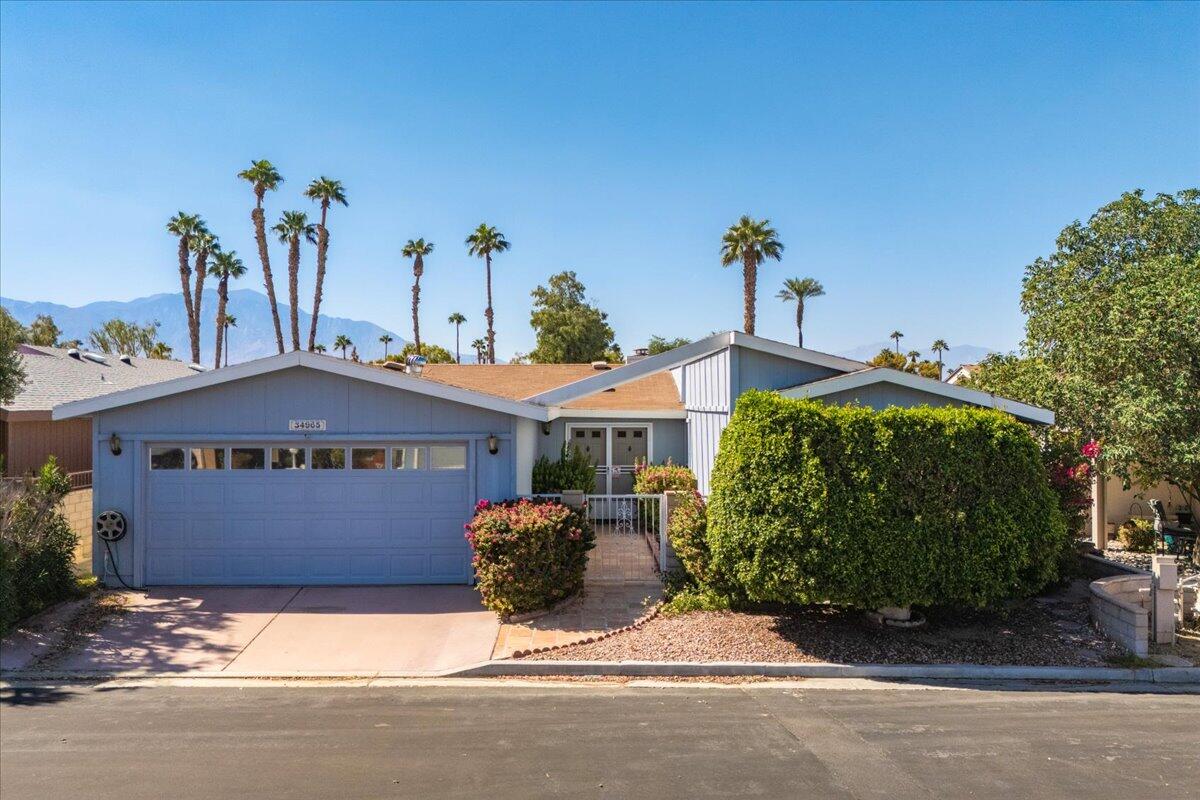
(639, 622)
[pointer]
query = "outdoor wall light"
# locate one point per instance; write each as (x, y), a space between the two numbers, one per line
(493, 444)
(545, 428)
(114, 444)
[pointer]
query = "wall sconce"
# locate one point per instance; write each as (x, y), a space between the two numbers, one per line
(493, 444)
(545, 428)
(114, 444)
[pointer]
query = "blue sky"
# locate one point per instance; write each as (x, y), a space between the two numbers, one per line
(913, 157)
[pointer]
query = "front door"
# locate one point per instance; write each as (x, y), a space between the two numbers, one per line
(593, 442)
(628, 449)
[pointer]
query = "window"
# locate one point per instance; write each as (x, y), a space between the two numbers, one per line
(288, 457)
(368, 458)
(329, 458)
(247, 458)
(448, 456)
(407, 458)
(578, 434)
(208, 458)
(166, 458)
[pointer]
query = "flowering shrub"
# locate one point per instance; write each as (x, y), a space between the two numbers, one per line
(1071, 480)
(529, 554)
(659, 478)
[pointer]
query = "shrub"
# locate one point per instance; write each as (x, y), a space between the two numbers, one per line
(659, 478)
(37, 545)
(1137, 535)
(529, 554)
(687, 530)
(907, 506)
(572, 470)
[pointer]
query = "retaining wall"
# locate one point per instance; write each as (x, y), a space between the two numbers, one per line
(1120, 608)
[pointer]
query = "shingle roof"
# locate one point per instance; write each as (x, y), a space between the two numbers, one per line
(53, 377)
(655, 392)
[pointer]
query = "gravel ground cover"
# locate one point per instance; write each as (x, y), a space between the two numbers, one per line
(1142, 561)
(1052, 630)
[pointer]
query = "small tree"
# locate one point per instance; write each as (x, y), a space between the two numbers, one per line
(434, 354)
(43, 331)
(659, 344)
(569, 330)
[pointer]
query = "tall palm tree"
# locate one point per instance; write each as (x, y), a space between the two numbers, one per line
(896, 336)
(913, 357)
(386, 339)
(230, 322)
(318, 348)
(187, 227)
(480, 346)
(417, 250)
(341, 343)
(324, 191)
(263, 176)
(202, 244)
(482, 242)
(291, 227)
(939, 346)
(456, 319)
(224, 267)
(799, 290)
(750, 241)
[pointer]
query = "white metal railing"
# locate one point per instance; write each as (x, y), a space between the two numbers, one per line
(642, 515)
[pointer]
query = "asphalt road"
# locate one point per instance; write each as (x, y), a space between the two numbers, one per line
(507, 741)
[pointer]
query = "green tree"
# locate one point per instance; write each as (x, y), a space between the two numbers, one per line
(1112, 340)
(434, 354)
(386, 339)
(798, 290)
(417, 249)
(342, 342)
(483, 242)
(186, 227)
(319, 348)
(569, 330)
(12, 373)
(291, 228)
(480, 347)
(896, 336)
(939, 346)
(160, 350)
(225, 266)
(118, 336)
(263, 176)
(456, 319)
(203, 244)
(325, 191)
(750, 241)
(43, 331)
(659, 344)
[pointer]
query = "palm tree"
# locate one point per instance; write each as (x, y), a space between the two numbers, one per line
(417, 250)
(224, 267)
(750, 241)
(318, 348)
(913, 356)
(263, 176)
(324, 191)
(482, 242)
(386, 339)
(480, 346)
(187, 227)
(456, 319)
(291, 226)
(799, 290)
(230, 322)
(939, 346)
(202, 244)
(896, 336)
(341, 343)
(160, 350)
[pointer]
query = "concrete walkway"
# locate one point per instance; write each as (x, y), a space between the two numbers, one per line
(288, 630)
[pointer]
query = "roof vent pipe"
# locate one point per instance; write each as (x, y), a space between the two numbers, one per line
(125, 358)
(414, 365)
(73, 352)
(601, 365)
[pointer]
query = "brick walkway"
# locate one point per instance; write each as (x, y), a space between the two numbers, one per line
(620, 586)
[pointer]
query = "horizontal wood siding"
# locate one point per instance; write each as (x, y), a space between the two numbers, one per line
(29, 444)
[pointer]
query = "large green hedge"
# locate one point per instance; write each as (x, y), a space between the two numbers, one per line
(907, 506)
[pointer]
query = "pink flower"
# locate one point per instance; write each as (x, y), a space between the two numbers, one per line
(1091, 449)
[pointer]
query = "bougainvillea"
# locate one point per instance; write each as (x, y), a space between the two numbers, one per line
(529, 554)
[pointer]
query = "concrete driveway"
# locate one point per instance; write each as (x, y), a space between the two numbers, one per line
(290, 630)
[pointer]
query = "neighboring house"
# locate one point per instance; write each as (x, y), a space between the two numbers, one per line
(55, 375)
(302, 468)
(961, 373)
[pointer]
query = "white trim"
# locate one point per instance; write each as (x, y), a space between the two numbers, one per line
(557, 412)
(682, 355)
(299, 358)
(933, 386)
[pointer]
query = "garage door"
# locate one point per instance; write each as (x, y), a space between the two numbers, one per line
(292, 513)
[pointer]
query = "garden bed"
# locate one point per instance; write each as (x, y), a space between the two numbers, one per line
(1052, 630)
(1143, 561)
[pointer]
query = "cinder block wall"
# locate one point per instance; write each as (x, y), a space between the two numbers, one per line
(77, 506)
(1119, 609)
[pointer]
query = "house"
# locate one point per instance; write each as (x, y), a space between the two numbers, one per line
(56, 375)
(961, 373)
(303, 468)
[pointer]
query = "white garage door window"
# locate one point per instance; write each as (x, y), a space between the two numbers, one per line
(303, 513)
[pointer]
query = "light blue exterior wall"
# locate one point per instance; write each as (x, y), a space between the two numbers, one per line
(884, 395)
(259, 408)
(758, 370)
(669, 436)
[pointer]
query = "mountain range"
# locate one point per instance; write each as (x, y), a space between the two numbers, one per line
(254, 336)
